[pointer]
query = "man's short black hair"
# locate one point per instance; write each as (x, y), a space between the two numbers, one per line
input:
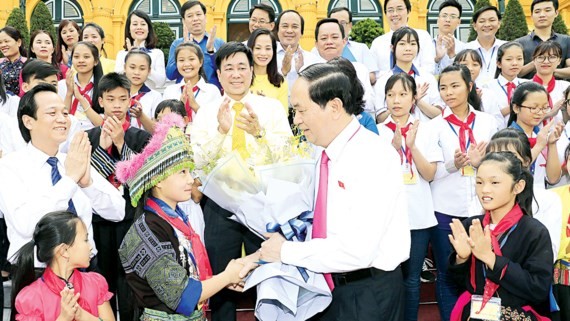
(327, 82)
(328, 20)
(534, 2)
(264, 7)
(38, 69)
(113, 80)
(287, 11)
(28, 107)
(189, 4)
(339, 9)
(483, 9)
(406, 3)
(451, 3)
(230, 49)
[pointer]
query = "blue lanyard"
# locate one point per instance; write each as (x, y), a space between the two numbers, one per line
(503, 87)
(501, 245)
(490, 60)
(468, 139)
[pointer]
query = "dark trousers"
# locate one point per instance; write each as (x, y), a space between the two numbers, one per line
(224, 239)
(376, 298)
(108, 237)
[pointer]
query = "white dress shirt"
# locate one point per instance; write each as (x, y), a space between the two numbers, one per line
(10, 106)
(148, 102)
(495, 98)
(27, 194)
(364, 76)
(445, 60)
(11, 139)
(420, 203)
(362, 54)
(157, 77)
(367, 220)
(561, 146)
(84, 123)
(546, 208)
(451, 191)
(206, 94)
(489, 59)
(381, 51)
(308, 59)
(433, 97)
(207, 141)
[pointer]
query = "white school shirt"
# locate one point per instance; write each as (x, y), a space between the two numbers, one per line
(495, 98)
(546, 208)
(157, 77)
(207, 141)
(10, 106)
(362, 54)
(489, 59)
(381, 51)
(420, 203)
(308, 59)
(433, 97)
(27, 194)
(206, 94)
(445, 60)
(367, 219)
(84, 123)
(148, 101)
(11, 139)
(452, 193)
(195, 216)
(561, 146)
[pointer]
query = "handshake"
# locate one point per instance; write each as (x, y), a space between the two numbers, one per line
(238, 269)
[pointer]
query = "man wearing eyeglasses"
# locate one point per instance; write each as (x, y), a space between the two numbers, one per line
(261, 16)
(543, 13)
(396, 12)
(446, 46)
(354, 51)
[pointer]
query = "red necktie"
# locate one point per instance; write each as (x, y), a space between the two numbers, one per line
(83, 92)
(464, 128)
(532, 141)
(411, 72)
(549, 87)
(134, 101)
(320, 217)
(189, 110)
(510, 88)
(404, 131)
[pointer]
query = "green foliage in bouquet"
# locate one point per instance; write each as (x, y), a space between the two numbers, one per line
(513, 25)
(165, 37)
(18, 21)
(478, 5)
(366, 31)
(559, 26)
(42, 20)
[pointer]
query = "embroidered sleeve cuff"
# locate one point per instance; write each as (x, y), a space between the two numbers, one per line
(126, 152)
(102, 162)
(190, 297)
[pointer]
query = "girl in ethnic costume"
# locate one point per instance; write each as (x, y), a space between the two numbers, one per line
(165, 262)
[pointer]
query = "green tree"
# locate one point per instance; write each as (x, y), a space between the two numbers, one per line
(165, 37)
(42, 20)
(17, 20)
(366, 31)
(478, 5)
(513, 25)
(559, 26)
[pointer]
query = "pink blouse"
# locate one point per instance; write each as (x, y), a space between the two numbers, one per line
(37, 302)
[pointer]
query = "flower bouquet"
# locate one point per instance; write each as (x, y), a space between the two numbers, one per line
(273, 192)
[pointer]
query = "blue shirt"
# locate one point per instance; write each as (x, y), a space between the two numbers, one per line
(209, 61)
(367, 122)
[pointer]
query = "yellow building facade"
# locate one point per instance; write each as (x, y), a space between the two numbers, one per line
(231, 15)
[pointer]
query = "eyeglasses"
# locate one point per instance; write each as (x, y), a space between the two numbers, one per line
(449, 16)
(545, 58)
(394, 10)
(537, 110)
(261, 22)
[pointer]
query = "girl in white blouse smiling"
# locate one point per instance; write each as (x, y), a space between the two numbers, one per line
(419, 156)
(462, 132)
(193, 90)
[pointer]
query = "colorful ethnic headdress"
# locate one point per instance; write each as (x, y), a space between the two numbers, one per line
(167, 152)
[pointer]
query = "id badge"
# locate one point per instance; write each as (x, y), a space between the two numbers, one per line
(468, 171)
(491, 312)
(409, 179)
